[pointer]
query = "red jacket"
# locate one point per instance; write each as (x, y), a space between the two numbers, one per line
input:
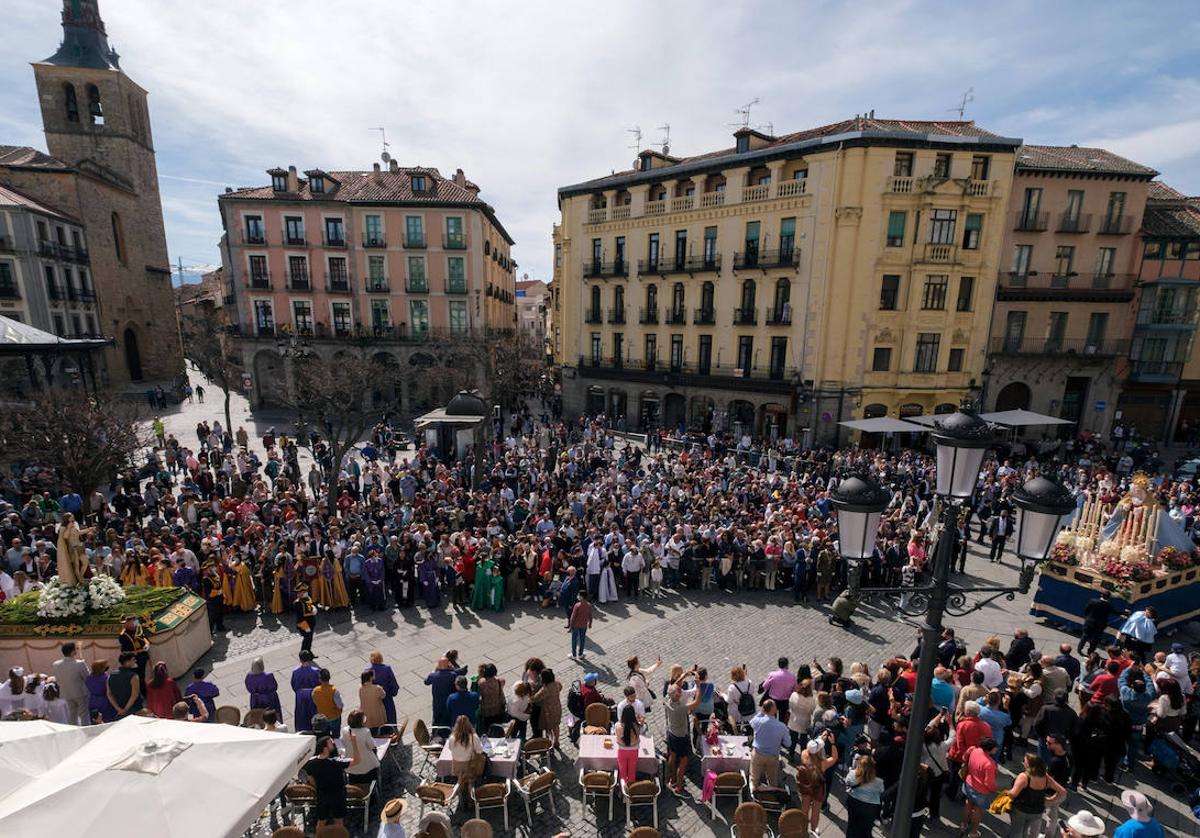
(969, 733)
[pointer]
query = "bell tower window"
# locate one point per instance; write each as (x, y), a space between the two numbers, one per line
(118, 238)
(95, 110)
(72, 102)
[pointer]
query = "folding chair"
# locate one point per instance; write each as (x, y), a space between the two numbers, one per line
(431, 749)
(597, 784)
(444, 795)
(492, 796)
(728, 784)
(641, 793)
(534, 787)
(750, 821)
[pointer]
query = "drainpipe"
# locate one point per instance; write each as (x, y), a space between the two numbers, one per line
(817, 378)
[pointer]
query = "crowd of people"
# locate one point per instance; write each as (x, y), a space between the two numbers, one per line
(565, 516)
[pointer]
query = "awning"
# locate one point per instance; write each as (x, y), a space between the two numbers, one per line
(925, 419)
(883, 425)
(30, 749)
(1018, 418)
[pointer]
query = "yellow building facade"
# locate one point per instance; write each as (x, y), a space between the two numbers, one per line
(786, 284)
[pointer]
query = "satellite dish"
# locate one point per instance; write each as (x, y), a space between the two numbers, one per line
(387, 158)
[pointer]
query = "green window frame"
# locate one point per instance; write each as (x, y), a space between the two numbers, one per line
(895, 228)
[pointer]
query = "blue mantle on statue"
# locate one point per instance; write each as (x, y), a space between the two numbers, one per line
(1170, 533)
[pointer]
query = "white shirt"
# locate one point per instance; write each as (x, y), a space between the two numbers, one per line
(368, 760)
(595, 559)
(639, 709)
(992, 677)
(633, 562)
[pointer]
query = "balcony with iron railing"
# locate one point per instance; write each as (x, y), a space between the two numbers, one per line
(704, 317)
(1087, 347)
(594, 316)
(337, 283)
(776, 379)
(599, 268)
(1119, 225)
(1028, 221)
(255, 237)
(1074, 222)
(417, 285)
(47, 249)
(414, 240)
(1051, 286)
(781, 316)
(616, 315)
(7, 245)
(86, 295)
(675, 316)
(259, 281)
(335, 240)
(56, 292)
(298, 280)
(295, 241)
(456, 285)
(648, 316)
(377, 285)
(374, 241)
(1156, 372)
(458, 242)
(745, 316)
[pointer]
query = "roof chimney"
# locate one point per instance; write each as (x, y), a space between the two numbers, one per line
(293, 180)
(376, 165)
(393, 166)
(460, 178)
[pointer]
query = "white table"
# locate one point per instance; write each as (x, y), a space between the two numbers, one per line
(593, 756)
(502, 761)
(732, 753)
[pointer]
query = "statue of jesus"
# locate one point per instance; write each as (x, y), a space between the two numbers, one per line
(72, 560)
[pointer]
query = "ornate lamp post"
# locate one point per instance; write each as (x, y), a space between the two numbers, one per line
(1041, 506)
(859, 502)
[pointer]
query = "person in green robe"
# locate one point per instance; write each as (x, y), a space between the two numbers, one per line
(481, 597)
(496, 588)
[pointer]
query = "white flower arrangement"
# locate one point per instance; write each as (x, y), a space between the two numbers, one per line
(56, 600)
(1133, 553)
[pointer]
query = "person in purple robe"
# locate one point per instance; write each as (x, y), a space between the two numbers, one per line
(184, 577)
(306, 708)
(374, 591)
(427, 575)
(307, 674)
(385, 678)
(263, 688)
(97, 687)
(207, 692)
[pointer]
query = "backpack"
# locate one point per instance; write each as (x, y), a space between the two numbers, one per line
(745, 703)
(575, 701)
(808, 779)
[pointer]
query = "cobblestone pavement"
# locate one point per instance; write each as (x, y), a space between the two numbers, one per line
(716, 630)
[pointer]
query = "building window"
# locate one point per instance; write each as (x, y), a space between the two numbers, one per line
(704, 355)
(52, 289)
(8, 284)
(317, 185)
(594, 314)
(339, 278)
(1192, 251)
(934, 297)
(650, 352)
(454, 233)
(298, 272)
(417, 280)
(343, 323)
(881, 359)
(676, 353)
(418, 311)
(376, 273)
(1154, 249)
(1116, 209)
(118, 232)
(966, 290)
(1022, 256)
(680, 249)
(941, 166)
(889, 292)
(941, 226)
(748, 289)
(1074, 210)
(707, 295)
(895, 228)
(743, 143)
(374, 231)
(955, 362)
(418, 183)
(279, 182)
(778, 360)
(254, 230)
(95, 109)
(745, 356)
(293, 229)
(302, 317)
(1105, 258)
(1057, 331)
(1174, 250)
(752, 231)
(1014, 330)
(1097, 326)
(381, 315)
(456, 274)
(1064, 260)
(71, 101)
(972, 231)
(903, 166)
(710, 246)
(787, 238)
(335, 234)
(58, 325)
(264, 317)
(458, 317)
(259, 278)
(980, 164)
(597, 352)
(619, 255)
(414, 231)
(927, 352)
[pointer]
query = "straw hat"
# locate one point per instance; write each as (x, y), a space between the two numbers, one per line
(393, 810)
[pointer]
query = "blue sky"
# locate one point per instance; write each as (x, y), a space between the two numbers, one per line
(530, 96)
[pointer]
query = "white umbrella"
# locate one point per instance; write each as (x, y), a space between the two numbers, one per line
(883, 425)
(158, 777)
(1018, 418)
(30, 749)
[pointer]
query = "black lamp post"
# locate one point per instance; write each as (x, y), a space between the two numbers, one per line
(859, 502)
(1041, 507)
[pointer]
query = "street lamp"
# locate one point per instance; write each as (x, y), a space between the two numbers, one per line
(962, 439)
(859, 502)
(1041, 505)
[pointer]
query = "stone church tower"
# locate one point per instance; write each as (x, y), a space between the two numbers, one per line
(98, 125)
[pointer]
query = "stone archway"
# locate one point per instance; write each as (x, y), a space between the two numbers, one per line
(1014, 396)
(133, 354)
(385, 395)
(741, 418)
(270, 382)
(674, 412)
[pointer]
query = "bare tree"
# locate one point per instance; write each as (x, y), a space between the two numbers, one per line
(86, 440)
(330, 398)
(207, 343)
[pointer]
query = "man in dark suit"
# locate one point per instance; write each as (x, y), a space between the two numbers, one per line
(1019, 650)
(947, 650)
(1000, 529)
(1096, 616)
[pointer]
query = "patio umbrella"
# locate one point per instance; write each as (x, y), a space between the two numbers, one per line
(1020, 418)
(30, 749)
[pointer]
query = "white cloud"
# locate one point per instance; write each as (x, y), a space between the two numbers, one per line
(530, 96)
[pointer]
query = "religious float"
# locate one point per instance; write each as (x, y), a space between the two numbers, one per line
(1137, 552)
(89, 611)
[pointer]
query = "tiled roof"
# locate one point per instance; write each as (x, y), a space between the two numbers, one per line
(1160, 191)
(370, 186)
(11, 197)
(1071, 158)
(26, 157)
(1177, 218)
(918, 129)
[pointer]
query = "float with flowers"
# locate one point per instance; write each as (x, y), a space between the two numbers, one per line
(1136, 551)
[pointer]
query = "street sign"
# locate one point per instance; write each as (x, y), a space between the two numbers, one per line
(1101, 405)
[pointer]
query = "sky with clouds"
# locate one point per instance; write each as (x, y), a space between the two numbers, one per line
(529, 96)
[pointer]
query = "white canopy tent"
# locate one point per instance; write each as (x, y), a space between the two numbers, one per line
(145, 776)
(1020, 418)
(30, 749)
(883, 425)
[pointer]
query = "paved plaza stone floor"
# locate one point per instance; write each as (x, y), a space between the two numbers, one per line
(715, 630)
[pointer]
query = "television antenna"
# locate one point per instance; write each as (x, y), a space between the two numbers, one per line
(744, 112)
(383, 138)
(666, 140)
(967, 98)
(637, 137)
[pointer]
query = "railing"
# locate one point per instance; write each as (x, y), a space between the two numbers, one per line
(745, 316)
(55, 292)
(676, 317)
(249, 237)
(1059, 346)
(374, 241)
(755, 193)
(979, 188)
(940, 253)
(417, 285)
(773, 379)
(616, 315)
(294, 241)
(298, 281)
(683, 203)
(9, 291)
(595, 216)
(792, 188)
(86, 295)
(72, 294)
(1167, 317)
(748, 259)
(712, 199)
(1156, 370)
(779, 316)
(648, 316)
(265, 328)
(454, 242)
(456, 286)
(658, 207)
(1118, 226)
(7, 245)
(259, 282)
(1070, 280)
(1031, 222)
(784, 257)
(1077, 223)
(620, 213)
(597, 268)
(333, 241)
(414, 241)
(1058, 280)
(593, 316)
(378, 285)
(900, 185)
(704, 317)
(337, 284)
(48, 249)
